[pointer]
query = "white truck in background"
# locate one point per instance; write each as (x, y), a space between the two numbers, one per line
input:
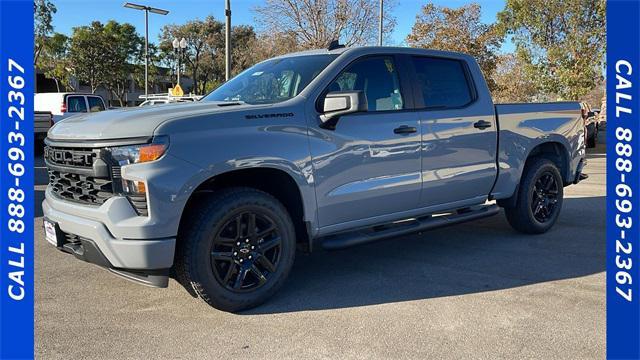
(62, 105)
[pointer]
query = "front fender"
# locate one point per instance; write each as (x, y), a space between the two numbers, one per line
(219, 146)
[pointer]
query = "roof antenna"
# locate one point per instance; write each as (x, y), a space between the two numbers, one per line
(334, 44)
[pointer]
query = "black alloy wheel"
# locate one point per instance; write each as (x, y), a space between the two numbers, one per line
(545, 197)
(235, 247)
(538, 199)
(246, 251)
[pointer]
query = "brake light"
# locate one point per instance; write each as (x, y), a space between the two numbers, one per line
(63, 107)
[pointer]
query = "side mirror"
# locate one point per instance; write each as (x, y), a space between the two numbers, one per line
(338, 103)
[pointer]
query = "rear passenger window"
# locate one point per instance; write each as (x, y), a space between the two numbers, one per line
(95, 104)
(76, 104)
(443, 82)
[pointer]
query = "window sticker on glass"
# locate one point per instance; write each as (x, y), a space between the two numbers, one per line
(257, 73)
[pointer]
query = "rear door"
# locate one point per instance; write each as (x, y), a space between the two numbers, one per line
(459, 132)
(369, 165)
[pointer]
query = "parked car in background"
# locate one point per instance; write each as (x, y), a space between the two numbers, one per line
(42, 122)
(331, 148)
(158, 99)
(591, 124)
(63, 105)
(602, 118)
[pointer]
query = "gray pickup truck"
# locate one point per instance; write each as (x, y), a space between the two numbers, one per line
(326, 148)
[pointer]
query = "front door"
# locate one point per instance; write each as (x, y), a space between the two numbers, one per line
(369, 165)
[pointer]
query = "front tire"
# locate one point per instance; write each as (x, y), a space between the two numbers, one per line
(236, 249)
(539, 198)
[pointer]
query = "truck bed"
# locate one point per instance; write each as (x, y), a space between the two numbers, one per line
(41, 122)
(522, 127)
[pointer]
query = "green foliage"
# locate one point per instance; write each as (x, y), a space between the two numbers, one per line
(54, 62)
(563, 42)
(125, 49)
(204, 55)
(43, 11)
(444, 28)
(512, 83)
(106, 55)
(87, 53)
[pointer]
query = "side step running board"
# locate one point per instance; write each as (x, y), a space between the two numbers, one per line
(365, 235)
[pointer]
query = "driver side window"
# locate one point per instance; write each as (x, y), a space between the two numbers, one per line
(377, 77)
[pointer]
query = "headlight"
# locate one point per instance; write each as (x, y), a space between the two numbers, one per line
(134, 154)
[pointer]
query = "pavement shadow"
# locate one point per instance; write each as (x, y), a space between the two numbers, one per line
(480, 256)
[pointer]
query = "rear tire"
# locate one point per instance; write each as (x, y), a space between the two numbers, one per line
(236, 248)
(539, 198)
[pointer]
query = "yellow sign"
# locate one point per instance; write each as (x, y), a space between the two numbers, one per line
(177, 91)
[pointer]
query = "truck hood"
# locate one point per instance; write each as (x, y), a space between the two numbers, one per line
(133, 122)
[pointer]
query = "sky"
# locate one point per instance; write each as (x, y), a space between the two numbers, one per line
(72, 13)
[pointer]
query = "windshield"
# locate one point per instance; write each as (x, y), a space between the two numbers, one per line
(272, 81)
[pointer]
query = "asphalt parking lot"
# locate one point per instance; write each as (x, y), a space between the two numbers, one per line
(477, 290)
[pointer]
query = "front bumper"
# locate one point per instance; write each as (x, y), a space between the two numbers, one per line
(94, 234)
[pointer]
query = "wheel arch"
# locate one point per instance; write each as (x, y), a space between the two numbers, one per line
(557, 152)
(292, 191)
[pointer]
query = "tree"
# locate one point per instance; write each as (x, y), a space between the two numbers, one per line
(87, 54)
(43, 11)
(268, 45)
(444, 28)
(125, 50)
(204, 55)
(54, 61)
(317, 22)
(512, 84)
(201, 39)
(106, 55)
(564, 40)
(596, 95)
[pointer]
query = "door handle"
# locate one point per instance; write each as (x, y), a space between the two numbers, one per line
(404, 129)
(482, 124)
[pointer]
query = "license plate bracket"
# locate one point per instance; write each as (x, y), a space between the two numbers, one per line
(52, 233)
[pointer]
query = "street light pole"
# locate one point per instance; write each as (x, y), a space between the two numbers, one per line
(178, 72)
(380, 23)
(146, 53)
(176, 50)
(178, 47)
(227, 38)
(146, 9)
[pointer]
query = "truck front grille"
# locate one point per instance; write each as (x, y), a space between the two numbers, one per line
(87, 176)
(80, 188)
(70, 157)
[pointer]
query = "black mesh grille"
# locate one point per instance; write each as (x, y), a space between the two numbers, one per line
(87, 176)
(80, 188)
